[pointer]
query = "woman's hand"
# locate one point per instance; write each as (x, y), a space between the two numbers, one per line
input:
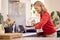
(36, 24)
(28, 28)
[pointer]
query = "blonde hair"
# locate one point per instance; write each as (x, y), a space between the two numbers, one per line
(40, 4)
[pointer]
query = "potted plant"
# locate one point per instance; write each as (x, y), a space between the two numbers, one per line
(1, 19)
(1, 24)
(56, 21)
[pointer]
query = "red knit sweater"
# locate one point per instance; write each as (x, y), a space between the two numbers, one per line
(46, 24)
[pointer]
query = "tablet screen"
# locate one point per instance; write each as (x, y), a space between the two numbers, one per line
(21, 29)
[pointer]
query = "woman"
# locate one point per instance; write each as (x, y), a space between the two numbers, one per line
(46, 22)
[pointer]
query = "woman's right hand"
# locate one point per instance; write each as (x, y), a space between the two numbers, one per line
(35, 24)
(27, 28)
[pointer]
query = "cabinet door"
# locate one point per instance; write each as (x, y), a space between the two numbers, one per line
(17, 12)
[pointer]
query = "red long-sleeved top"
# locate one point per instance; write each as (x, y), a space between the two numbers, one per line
(46, 24)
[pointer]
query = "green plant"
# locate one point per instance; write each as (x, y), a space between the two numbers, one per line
(33, 11)
(55, 21)
(52, 13)
(58, 13)
(31, 6)
(1, 18)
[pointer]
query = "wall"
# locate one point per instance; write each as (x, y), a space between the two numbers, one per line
(17, 13)
(52, 5)
(0, 6)
(28, 11)
(4, 8)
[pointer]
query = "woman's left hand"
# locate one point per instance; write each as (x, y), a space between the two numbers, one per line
(27, 28)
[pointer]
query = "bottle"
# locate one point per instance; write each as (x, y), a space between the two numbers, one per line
(2, 29)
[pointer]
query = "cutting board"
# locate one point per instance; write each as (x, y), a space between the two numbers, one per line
(10, 35)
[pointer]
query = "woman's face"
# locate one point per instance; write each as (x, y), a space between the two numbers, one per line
(37, 8)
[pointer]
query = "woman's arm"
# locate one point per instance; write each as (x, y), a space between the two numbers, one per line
(27, 28)
(43, 21)
(36, 24)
